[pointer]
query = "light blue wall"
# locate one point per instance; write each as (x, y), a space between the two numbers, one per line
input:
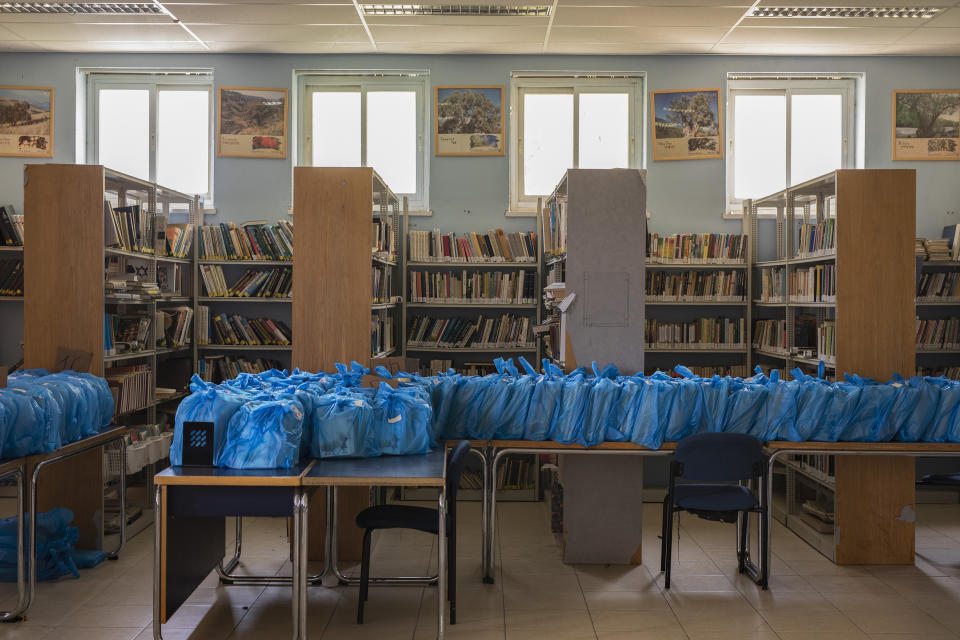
(683, 196)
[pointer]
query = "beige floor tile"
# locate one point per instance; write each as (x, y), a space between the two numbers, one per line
(860, 601)
(645, 600)
(697, 583)
(488, 629)
(885, 621)
(643, 634)
(822, 623)
(620, 621)
(742, 634)
(106, 616)
(562, 624)
(22, 631)
(205, 631)
(76, 633)
(851, 584)
(721, 620)
(615, 578)
(796, 601)
(192, 615)
(815, 635)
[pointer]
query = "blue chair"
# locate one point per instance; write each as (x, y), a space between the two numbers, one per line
(399, 516)
(707, 478)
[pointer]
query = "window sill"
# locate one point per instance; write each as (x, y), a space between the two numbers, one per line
(520, 213)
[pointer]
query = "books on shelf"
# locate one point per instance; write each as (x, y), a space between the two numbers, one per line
(382, 289)
(11, 227)
(770, 336)
(713, 333)
(474, 287)
(171, 277)
(708, 371)
(235, 329)
(818, 239)
(814, 284)
(554, 223)
(130, 228)
(125, 333)
(920, 249)
(697, 248)
(939, 286)
(179, 240)
(121, 285)
(695, 286)
(382, 243)
(514, 473)
(951, 233)
(772, 285)
(218, 368)
(381, 334)
(248, 241)
(493, 246)
(556, 272)
(253, 283)
(131, 387)
(938, 333)
(827, 341)
(174, 326)
(504, 331)
(11, 277)
(949, 372)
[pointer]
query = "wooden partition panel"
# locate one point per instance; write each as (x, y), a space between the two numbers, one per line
(63, 263)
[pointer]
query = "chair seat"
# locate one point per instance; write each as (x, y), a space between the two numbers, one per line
(713, 497)
(941, 479)
(399, 516)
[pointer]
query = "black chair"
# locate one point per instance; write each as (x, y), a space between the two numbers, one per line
(398, 516)
(949, 480)
(711, 463)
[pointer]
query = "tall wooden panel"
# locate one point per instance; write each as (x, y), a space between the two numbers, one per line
(63, 263)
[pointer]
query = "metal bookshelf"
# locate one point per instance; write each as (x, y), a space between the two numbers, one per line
(932, 308)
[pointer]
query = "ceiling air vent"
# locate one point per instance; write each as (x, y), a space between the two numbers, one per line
(844, 12)
(84, 8)
(463, 10)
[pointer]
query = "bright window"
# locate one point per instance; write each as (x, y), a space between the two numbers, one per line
(376, 120)
(782, 132)
(559, 122)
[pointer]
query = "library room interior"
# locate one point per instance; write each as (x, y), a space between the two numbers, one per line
(489, 320)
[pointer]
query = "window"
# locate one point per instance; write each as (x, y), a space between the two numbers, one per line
(153, 125)
(368, 120)
(557, 122)
(783, 131)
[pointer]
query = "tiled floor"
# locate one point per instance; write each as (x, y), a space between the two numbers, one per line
(536, 595)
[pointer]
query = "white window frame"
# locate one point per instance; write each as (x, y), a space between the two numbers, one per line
(311, 81)
(575, 83)
(152, 80)
(844, 85)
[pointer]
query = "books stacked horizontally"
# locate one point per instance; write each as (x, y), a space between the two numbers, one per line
(219, 368)
(253, 283)
(827, 341)
(938, 250)
(174, 326)
(554, 223)
(381, 335)
(772, 284)
(248, 241)
(224, 329)
(501, 332)
(437, 366)
(770, 336)
(125, 333)
(695, 286)
(128, 286)
(939, 286)
(814, 284)
(920, 249)
(130, 228)
(474, 287)
(700, 333)
(382, 242)
(131, 387)
(179, 238)
(382, 286)
(937, 334)
(11, 277)
(818, 239)
(696, 248)
(493, 246)
(11, 227)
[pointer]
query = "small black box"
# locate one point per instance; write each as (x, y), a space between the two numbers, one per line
(198, 444)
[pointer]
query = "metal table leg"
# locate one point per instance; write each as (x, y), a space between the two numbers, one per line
(159, 521)
(441, 562)
(298, 585)
(16, 614)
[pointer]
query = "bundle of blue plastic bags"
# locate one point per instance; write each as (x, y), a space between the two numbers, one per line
(42, 411)
(56, 555)
(274, 419)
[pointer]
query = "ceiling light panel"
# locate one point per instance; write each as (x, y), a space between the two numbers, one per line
(461, 10)
(885, 13)
(84, 8)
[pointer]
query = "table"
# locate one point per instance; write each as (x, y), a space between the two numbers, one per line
(191, 504)
(427, 470)
(15, 469)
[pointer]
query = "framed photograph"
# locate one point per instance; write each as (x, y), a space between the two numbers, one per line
(926, 125)
(469, 121)
(687, 124)
(252, 122)
(26, 121)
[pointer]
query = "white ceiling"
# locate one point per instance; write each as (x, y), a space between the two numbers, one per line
(576, 27)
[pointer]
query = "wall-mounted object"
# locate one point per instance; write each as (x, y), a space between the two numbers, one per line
(252, 122)
(686, 124)
(26, 121)
(926, 125)
(469, 121)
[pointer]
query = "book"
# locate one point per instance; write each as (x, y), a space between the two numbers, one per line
(235, 329)
(11, 227)
(494, 246)
(952, 234)
(696, 248)
(710, 332)
(217, 368)
(494, 332)
(11, 277)
(248, 241)
(473, 287)
(695, 286)
(252, 283)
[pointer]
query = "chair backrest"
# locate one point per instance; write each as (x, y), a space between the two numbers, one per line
(718, 457)
(456, 463)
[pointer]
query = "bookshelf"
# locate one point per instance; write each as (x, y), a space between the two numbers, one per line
(937, 300)
(11, 307)
(834, 274)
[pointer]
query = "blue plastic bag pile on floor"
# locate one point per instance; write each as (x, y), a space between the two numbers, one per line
(273, 419)
(55, 553)
(42, 411)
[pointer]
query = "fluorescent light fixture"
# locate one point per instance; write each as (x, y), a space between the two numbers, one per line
(844, 12)
(84, 8)
(479, 10)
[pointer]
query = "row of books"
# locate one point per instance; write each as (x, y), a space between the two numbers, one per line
(235, 329)
(253, 283)
(219, 368)
(131, 387)
(382, 289)
(474, 287)
(770, 336)
(938, 333)
(827, 341)
(714, 333)
(125, 333)
(131, 228)
(814, 284)
(554, 228)
(179, 240)
(381, 334)
(697, 248)
(382, 242)
(772, 284)
(171, 278)
(950, 372)
(11, 227)
(714, 286)
(939, 286)
(708, 371)
(248, 241)
(122, 286)
(817, 239)
(11, 277)
(810, 339)
(514, 473)
(174, 326)
(505, 331)
(493, 246)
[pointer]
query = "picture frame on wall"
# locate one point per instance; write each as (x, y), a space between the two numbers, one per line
(469, 121)
(687, 124)
(26, 121)
(252, 122)
(926, 124)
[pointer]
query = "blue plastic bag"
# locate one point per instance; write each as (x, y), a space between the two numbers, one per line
(744, 410)
(543, 402)
(264, 434)
(943, 426)
(869, 420)
(813, 401)
(601, 402)
(401, 422)
(779, 418)
(621, 421)
(207, 403)
(32, 428)
(55, 546)
(341, 425)
(686, 406)
(913, 412)
(567, 426)
(506, 414)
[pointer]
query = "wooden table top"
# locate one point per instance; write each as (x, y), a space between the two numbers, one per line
(428, 470)
(216, 476)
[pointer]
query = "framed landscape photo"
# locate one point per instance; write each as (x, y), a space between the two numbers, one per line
(686, 124)
(469, 121)
(252, 122)
(26, 121)
(926, 125)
